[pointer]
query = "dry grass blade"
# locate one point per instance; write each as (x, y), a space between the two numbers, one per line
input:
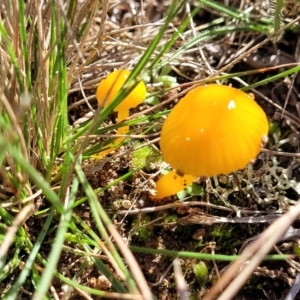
(254, 48)
(18, 221)
(254, 254)
(180, 282)
(133, 265)
(294, 289)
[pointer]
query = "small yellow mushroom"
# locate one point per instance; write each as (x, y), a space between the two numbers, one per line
(107, 91)
(215, 129)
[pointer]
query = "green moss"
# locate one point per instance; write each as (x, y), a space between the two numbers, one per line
(196, 190)
(219, 232)
(171, 219)
(140, 228)
(226, 236)
(193, 190)
(201, 272)
(168, 81)
(274, 128)
(143, 157)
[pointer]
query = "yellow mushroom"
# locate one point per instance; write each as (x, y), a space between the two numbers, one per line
(107, 91)
(215, 129)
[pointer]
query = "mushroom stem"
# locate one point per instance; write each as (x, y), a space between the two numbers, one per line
(172, 183)
(122, 115)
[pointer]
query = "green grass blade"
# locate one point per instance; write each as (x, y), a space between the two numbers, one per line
(57, 246)
(196, 255)
(14, 290)
(101, 218)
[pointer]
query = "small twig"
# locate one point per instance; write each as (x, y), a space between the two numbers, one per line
(279, 153)
(291, 233)
(84, 96)
(181, 204)
(112, 260)
(25, 200)
(294, 289)
(162, 277)
(255, 254)
(144, 225)
(132, 263)
(54, 293)
(12, 230)
(181, 285)
(82, 293)
(132, 136)
(210, 220)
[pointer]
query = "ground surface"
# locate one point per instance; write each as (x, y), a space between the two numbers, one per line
(270, 280)
(272, 188)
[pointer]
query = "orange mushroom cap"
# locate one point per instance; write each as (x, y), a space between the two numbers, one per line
(215, 129)
(110, 86)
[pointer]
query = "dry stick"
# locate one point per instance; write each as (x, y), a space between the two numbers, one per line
(84, 97)
(181, 204)
(294, 289)
(132, 136)
(24, 201)
(162, 276)
(181, 285)
(279, 153)
(132, 263)
(82, 293)
(54, 293)
(257, 250)
(9, 236)
(112, 260)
